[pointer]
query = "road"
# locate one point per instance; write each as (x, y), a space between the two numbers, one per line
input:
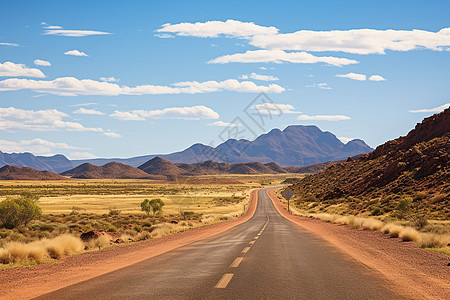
(267, 257)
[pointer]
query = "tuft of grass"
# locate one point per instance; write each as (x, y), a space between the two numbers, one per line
(41, 250)
(431, 240)
(409, 234)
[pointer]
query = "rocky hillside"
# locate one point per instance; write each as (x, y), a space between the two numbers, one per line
(415, 167)
(160, 166)
(111, 170)
(24, 173)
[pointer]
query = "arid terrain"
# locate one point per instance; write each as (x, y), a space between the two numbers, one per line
(110, 209)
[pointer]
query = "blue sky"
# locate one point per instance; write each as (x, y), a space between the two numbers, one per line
(127, 78)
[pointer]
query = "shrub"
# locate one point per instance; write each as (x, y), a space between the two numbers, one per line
(113, 211)
(19, 210)
(404, 206)
(154, 205)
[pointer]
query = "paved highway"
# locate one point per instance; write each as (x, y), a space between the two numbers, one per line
(267, 257)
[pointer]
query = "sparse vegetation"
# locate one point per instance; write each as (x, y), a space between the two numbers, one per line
(112, 207)
(155, 206)
(20, 210)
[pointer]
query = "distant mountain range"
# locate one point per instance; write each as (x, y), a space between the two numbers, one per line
(156, 168)
(296, 146)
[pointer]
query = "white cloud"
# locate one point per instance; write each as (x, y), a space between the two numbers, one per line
(322, 85)
(323, 118)
(358, 41)
(259, 77)
(230, 28)
(84, 104)
(164, 36)
(43, 63)
(435, 109)
(10, 69)
(185, 113)
(274, 108)
(70, 86)
(53, 27)
(280, 56)
(9, 44)
(73, 33)
(344, 139)
(109, 79)
(13, 119)
(112, 134)
(84, 111)
(222, 124)
(75, 53)
(376, 78)
(36, 146)
(353, 76)
(81, 155)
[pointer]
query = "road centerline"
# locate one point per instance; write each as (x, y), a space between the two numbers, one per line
(223, 282)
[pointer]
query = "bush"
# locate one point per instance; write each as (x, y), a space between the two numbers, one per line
(404, 207)
(154, 205)
(19, 210)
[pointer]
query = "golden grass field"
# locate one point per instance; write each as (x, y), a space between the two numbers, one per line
(71, 207)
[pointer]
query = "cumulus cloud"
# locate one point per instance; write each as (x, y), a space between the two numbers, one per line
(109, 79)
(185, 113)
(75, 53)
(84, 111)
(70, 86)
(321, 85)
(112, 134)
(323, 118)
(14, 119)
(353, 76)
(435, 109)
(9, 44)
(10, 69)
(357, 41)
(377, 78)
(43, 63)
(36, 146)
(222, 124)
(275, 108)
(230, 28)
(280, 56)
(259, 77)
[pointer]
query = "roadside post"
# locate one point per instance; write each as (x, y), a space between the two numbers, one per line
(287, 194)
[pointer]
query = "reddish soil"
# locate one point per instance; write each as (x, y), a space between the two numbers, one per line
(414, 272)
(29, 282)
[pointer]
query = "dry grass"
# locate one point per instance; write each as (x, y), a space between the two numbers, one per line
(39, 251)
(433, 241)
(409, 234)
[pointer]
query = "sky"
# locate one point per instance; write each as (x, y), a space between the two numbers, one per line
(126, 78)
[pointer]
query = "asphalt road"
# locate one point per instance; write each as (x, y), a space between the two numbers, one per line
(267, 257)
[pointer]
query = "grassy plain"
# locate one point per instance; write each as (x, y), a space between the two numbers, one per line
(73, 206)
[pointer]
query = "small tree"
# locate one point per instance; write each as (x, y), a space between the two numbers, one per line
(19, 210)
(154, 205)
